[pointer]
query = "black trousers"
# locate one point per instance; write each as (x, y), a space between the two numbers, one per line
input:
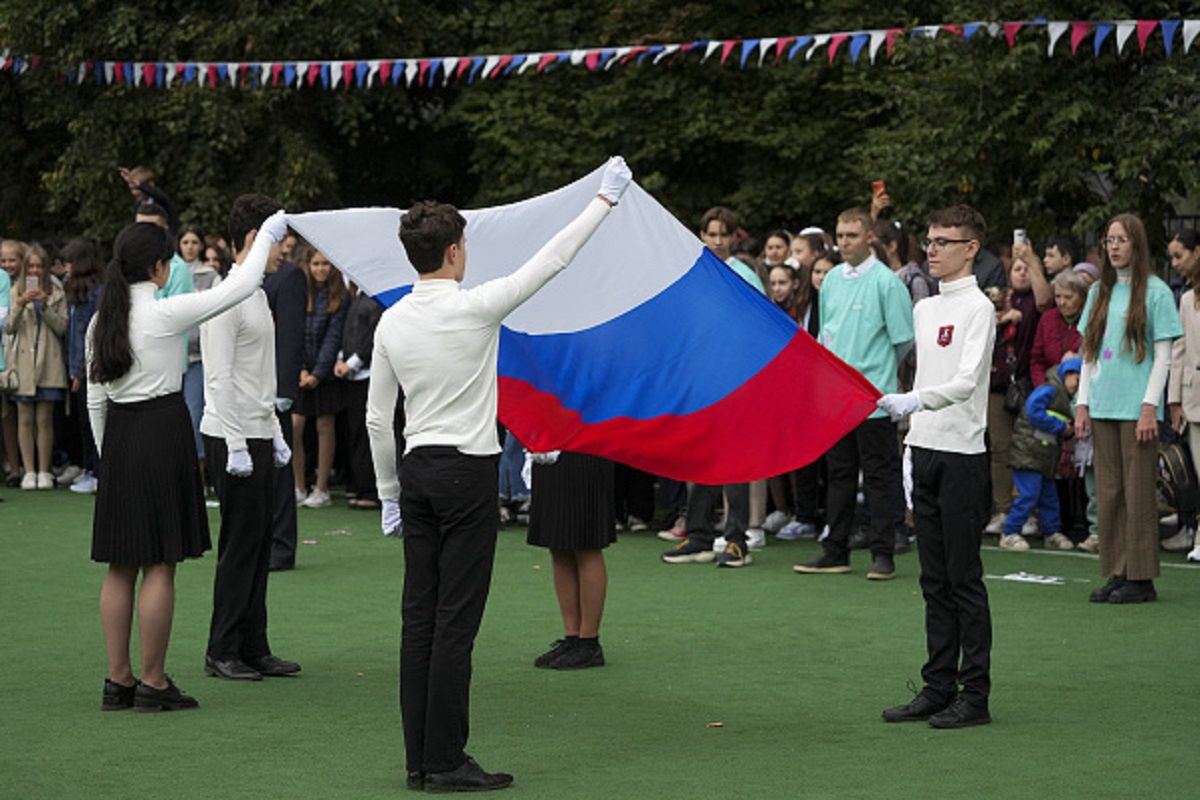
(949, 499)
(361, 479)
(448, 503)
(283, 505)
(872, 448)
(701, 500)
(633, 492)
(239, 618)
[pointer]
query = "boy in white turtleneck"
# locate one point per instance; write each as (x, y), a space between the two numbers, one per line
(955, 332)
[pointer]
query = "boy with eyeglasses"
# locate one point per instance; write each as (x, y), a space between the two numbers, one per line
(955, 333)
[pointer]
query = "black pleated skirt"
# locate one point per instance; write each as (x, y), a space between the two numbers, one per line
(150, 499)
(327, 398)
(572, 506)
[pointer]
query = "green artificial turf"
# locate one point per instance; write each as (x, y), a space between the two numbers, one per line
(1089, 701)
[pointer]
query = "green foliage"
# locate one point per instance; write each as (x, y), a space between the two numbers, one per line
(1045, 143)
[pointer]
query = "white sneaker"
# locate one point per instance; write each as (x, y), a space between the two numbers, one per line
(775, 521)
(1170, 520)
(995, 525)
(1091, 544)
(719, 544)
(85, 485)
(1195, 554)
(29, 481)
(45, 480)
(797, 530)
(83, 475)
(68, 475)
(317, 499)
(1031, 527)
(301, 496)
(1013, 541)
(1057, 541)
(676, 533)
(637, 525)
(756, 538)
(1180, 542)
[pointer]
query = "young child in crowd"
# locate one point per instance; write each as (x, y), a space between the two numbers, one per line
(1044, 422)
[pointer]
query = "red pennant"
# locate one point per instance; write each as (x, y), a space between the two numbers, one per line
(892, 35)
(727, 48)
(834, 43)
(1010, 32)
(179, 70)
(385, 72)
(464, 64)
(501, 65)
(423, 68)
(782, 45)
(591, 59)
(149, 74)
(348, 73)
(276, 70)
(955, 29)
(634, 53)
(118, 73)
(34, 62)
(212, 74)
(546, 60)
(1145, 27)
(1079, 31)
(314, 73)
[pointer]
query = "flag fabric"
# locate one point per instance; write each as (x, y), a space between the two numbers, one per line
(647, 349)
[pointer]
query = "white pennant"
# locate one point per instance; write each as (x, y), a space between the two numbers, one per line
(108, 73)
(666, 51)
(994, 29)
(79, 76)
(411, 68)
(372, 72)
(171, 67)
(712, 47)
(488, 66)
(877, 40)
(1124, 31)
(531, 61)
(929, 31)
(621, 53)
(335, 73)
(231, 73)
(820, 40)
(137, 73)
(764, 47)
(449, 64)
(301, 72)
(264, 74)
(1191, 27)
(1057, 29)
(577, 57)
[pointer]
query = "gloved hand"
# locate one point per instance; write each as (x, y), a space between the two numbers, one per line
(274, 226)
(283, 453)
(899, 406)
(239, 464)
(908, 477)
(392, 524)
(283, 404)
(617, 176)
(549, 457)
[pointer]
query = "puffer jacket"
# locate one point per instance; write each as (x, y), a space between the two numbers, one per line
(1037, 432)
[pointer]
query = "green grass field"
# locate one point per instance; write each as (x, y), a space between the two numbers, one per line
(1088, 701)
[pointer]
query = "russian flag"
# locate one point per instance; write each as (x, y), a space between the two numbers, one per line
(646, 349)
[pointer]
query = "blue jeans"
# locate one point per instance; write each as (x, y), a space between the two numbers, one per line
(1033, 488)
(193, 396)
(512, 460)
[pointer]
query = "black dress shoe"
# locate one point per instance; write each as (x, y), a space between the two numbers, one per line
(962, 713)
(1134, 592)
(922, 707)
(470, 777)
(550, 656)
(273, 666)
(581, 656)
(233, 669)
(116, 696)
(146, 698)
(415, 780)
(1102, 594)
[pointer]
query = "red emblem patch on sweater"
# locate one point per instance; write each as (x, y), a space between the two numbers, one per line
(945, 335)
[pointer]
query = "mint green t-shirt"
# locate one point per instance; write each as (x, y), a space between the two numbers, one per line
(747, 273)
(1118, 384)
(5, 288)
(179, 279)
(864, 318)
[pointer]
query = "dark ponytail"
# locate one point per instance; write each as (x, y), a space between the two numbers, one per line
(137, 251)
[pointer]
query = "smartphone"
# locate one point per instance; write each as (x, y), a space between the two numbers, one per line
(32, 283)
(1020, 236)
(878, 188)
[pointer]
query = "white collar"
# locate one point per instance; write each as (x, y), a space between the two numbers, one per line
(851, 271)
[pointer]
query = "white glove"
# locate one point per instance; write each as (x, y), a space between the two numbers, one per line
(617, 176)
(274, 226)
(392, 524)
(283, 453)
(239, 464)
(283, 404)
(549, 457)
(908, 478)
(899, 406)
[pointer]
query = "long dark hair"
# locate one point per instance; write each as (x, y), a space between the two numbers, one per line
(1141, 267)
(137, 251)
(84, 259)
(333, 284)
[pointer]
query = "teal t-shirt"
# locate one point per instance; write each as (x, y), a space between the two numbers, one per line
(5, 288)
(864, 318)
(747, 273)
(179, 280)
(1118, 384)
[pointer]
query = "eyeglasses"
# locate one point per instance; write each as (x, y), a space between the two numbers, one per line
(941, 242)
(1113, 241)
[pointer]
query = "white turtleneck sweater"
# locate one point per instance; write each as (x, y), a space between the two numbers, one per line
(955, 332)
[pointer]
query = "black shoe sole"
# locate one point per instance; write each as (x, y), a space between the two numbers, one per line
(956, 725)
(212, 673)
(437, 788)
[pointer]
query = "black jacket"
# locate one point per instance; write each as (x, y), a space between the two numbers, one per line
(287, 294)
(358, 335)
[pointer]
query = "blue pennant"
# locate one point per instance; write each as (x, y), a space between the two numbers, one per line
(1103, 29)
(748, 46)
(1169, 26)
(856, 45)
(801, 42)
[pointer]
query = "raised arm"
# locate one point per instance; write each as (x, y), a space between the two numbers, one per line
(97, 395)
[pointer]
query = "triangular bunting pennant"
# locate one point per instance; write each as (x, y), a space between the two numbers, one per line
(503, 66)
(335, 75)
(1191, 29)
(1124, 31)
(1011, 29)
(1103, 29)
(450, 69)
(710, 48)
(544, 62)
(670, 49)
(782, 45)
(1056, 29)
(150, 74)
(726, 49)
(214, 74)
(422, 71)
(410, 72)
(857, 43)
(620, 56)
(325, 73)
(877, 40)
(139, 74)
(1079, 32)
(892, 35)
(350, 73)
(817, 42)
(1145, 27)
(801, 43)
(955, 29)
(748, 46)
(1169, 26)
(364, 72)
(765, 46)
(971, 28)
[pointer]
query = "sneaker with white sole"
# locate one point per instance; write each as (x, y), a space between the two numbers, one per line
(317, 499)
(733, 556)
(637, 525)
(1179, 543)
(29, 481)
(775, 521)
(797, 530)
(1013, 541)
(1091, 544)
(68, 475)
(301, 496)
(995, 525)
(676, 533)
(1031, 527)
(689, 551)
(1195, 554)
(1056, 541)
(45, 480)
(756, 538)
(85, 485)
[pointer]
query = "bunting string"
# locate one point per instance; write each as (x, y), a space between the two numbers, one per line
(451, 70)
